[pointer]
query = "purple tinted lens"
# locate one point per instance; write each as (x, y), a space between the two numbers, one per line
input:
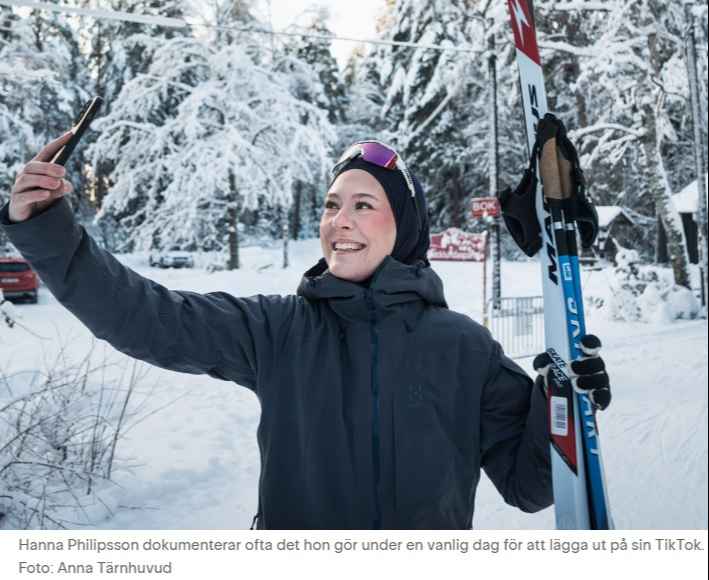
(378, 154)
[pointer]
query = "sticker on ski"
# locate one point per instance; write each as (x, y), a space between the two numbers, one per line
(561, 411)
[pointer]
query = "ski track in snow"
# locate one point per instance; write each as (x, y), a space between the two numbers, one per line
(195, 464)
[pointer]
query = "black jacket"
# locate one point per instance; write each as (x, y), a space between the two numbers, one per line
(379, 405)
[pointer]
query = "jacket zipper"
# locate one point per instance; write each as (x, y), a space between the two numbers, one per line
(377, 524)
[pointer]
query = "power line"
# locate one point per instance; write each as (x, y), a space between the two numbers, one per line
(178, 23)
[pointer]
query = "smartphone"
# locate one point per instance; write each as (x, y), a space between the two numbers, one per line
(88, 112)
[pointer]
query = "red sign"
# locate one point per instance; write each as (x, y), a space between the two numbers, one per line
(486, 206)
(456, 245)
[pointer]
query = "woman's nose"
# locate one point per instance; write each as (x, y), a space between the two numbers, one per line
(342, 219)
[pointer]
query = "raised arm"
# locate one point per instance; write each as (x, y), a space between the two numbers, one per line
(226, 337)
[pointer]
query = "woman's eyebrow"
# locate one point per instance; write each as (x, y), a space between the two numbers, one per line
(332, 194)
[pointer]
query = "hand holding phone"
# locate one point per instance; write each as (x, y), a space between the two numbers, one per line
(40, 182)
(87, 114)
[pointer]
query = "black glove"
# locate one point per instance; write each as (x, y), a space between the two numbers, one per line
(588, 373)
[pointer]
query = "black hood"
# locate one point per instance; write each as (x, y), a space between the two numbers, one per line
(392, 285)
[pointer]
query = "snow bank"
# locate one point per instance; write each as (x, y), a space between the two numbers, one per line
(643, 293)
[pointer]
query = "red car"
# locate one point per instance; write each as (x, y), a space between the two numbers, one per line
(17, 279)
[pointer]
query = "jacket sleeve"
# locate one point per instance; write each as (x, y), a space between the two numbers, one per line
(218, 334)
(515, 435)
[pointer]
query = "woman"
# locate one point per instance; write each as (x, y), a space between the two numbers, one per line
(379, 405)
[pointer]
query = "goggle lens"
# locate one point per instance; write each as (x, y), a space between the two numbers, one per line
(379, 155)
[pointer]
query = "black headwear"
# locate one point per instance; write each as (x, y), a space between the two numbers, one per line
(412, 241)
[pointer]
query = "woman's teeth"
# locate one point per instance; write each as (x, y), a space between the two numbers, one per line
(344, 247)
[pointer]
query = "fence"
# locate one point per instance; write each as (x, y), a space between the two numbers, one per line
(518, 324)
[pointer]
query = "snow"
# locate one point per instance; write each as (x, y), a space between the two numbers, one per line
(638, 292)
(686, 200)
(607, 213)
(194, 464)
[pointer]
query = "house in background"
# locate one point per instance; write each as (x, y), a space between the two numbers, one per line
(614, 223)
(686, 203)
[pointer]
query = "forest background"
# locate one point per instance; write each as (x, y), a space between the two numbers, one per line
(221, 134)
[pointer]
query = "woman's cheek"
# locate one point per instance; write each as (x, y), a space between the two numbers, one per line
(384, 228)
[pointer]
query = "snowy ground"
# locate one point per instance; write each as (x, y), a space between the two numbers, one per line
(195, 465)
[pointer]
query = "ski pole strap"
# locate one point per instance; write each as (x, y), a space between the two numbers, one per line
(563, 183)
(518, 210)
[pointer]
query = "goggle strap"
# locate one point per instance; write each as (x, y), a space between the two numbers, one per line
(407, 177)
(356, 151)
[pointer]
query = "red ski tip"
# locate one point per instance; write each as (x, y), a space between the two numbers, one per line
(522, 16)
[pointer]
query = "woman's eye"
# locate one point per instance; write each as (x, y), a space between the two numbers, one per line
(363, 204)
(330, 205)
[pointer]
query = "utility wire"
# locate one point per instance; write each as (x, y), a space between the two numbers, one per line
(177, 23)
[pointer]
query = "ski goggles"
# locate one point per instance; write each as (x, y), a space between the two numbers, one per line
(381, 155)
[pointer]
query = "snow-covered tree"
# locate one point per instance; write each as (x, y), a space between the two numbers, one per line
(42, 87)
(119, 51)
(16, 78)
(615, 73)
(239, 15)
(632, 76)
(435, 105)
(317, 56)
(419, 89)
(365, 96)
(314, 77)
(237, 134)
(643, 293)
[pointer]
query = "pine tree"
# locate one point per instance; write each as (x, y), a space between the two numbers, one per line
(43, 87)
(119, 51)
(316, 79)
(317, 55)
(425, 108)
(631, 60)
(569, 90)
(12, 77)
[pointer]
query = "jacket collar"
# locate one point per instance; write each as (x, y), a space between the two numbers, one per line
(396, 289)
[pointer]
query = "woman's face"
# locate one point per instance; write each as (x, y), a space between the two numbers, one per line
(357, 228)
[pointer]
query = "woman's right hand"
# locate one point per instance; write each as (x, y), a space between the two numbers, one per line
(39, 183)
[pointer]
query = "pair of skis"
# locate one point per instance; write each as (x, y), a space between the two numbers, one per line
(580, 495)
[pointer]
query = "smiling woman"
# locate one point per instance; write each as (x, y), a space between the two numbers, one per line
(379, 405)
